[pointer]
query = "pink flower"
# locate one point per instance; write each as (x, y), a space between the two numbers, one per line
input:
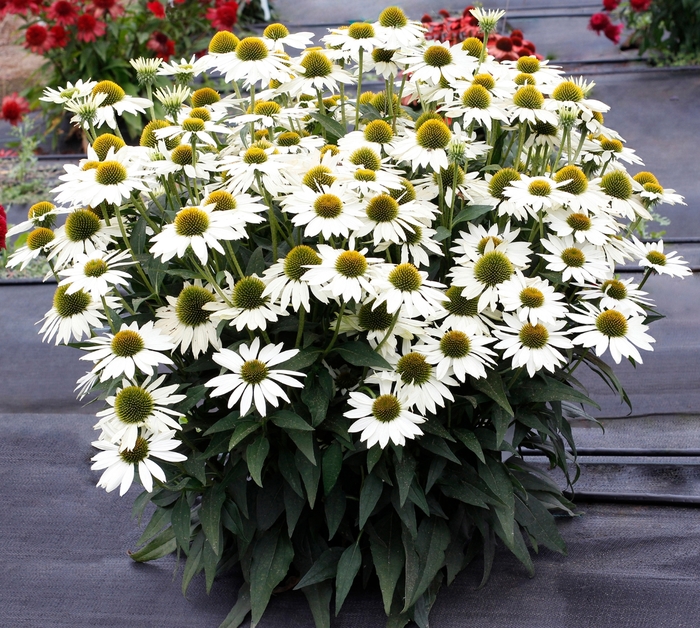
(640, 5)
(161, 45)
(89, 29)
(612, 32)
(13, 108)
(599, 22)
(63, 12)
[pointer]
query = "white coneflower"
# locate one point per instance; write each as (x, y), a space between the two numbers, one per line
(194, 163)
(405, 287)
(73, 316)
(97, 272)
(131, 348)
(651, 255)
(388, 220)
(385, 418)
(612, 329)
(253, 63)
(146, 69)
(457, 352)
(193, 129)
(535, 194)
(572, 94)
(584, 263)
(526, 105)
(199, 228)
(85, 109)
(618, 294)
(117, 102)
(120, 465)
(471, 245)
(476, 105)
(396, 31)
(186, 321)
(347, 42)
(71, 91)
(534, 346)
(584, 195)
(250, 308)
(139, 406)
(251, 380)
(426, 147)
(438, 60)
(41, 214)
(277, 36)
(183, 71)
(417, 246)
(284, 279)
(463, 313)
(532, 299)
(583, 228)
(38, 242)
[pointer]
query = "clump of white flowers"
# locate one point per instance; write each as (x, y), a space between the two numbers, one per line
(281, 277)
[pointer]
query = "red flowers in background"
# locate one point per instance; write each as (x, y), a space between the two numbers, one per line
(157, 9)
(602, 22)
(161, 45)
(36, 38)
(13, 108)
(64, 12)
(89, 28)
(224, 15)
(3, 227)
(599, 22)
(640, 5)
(611, 5)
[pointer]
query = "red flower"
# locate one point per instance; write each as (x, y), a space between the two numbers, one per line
(599, 22)
(13, 108)
(640, 5)
(471, 20)
(517, 41)
(505, 44)
(111, 7)
(58, 36)
(161, 45)
(22, 6)
(3, 227)
(426, 19)
(157, 9)
(516, 32)
(444, 13)
(611, 5)
(612, 32)
(89, 29)
(224, 16)
(36, 38)
(63, 12)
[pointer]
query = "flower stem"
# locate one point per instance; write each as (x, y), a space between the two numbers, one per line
(359, 90)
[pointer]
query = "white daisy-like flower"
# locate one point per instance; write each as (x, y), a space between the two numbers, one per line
(252, 62)
(457, 352)
(572, 94)
(284, 281)
(291, 143)
(186, 321)
(139, 406)
(583, 195)
(385, 418)
(199, 228)
(97, 273)
(73, 316)
(583, 262)
(131, 348)
(541, 72)
(249, 308)
(476, 105)
(241, 209)
(71, 91)
(390, 221)
(347, 42)
(173, 98)
(437, 60)
(38, 242)
(405, 287)
(183, 71)
(254, 163)
(193, 130)
(85, 109)
(527, 105)
(251, 380)
(534, 346)
(603, 329)
(416, 247)
(120, 465)
(651, 255)
(482, 278)
(317, 73)
(471, 245)
(343, 275)
(277, 36)
(532, 299)
(653, 193)
(618, 294)
(583, 228)
(331, 211)
(416, 376)
(396, 31)
(383, 62)
(183, 159)
(535, 193)
(426, 147)
(116, 103)
(463, 314)
(41, 214)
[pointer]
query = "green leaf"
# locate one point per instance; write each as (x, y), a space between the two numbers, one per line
(272, 555)
(256, 263)
(331, 465)
(441, 233)
(497, 479)
(256, 453)
(193, 565)
(405, 470)
(471, 442)
(374, 455)
(471, 213)
(348, 566)
(492, 386)
(369, 496)
(160, 546)
(293, 507)
(181, 522)
(549, 389)
(501, 420)
(229, 422)
(240, 610)
(335, 504)
(317, 394)
(195, 467)
(324, 568)
(289, 470)
(433, 539)
(290, 421)
(464, 492)
(388, 556)
(305, 442)
(159, 520)
(210, 560)
(302, 360)
(310, 475)
(319, 597)
(361, 354)
(332, 126)
(244, 429)
(438, 446)
(539, 523)
(210, 514)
